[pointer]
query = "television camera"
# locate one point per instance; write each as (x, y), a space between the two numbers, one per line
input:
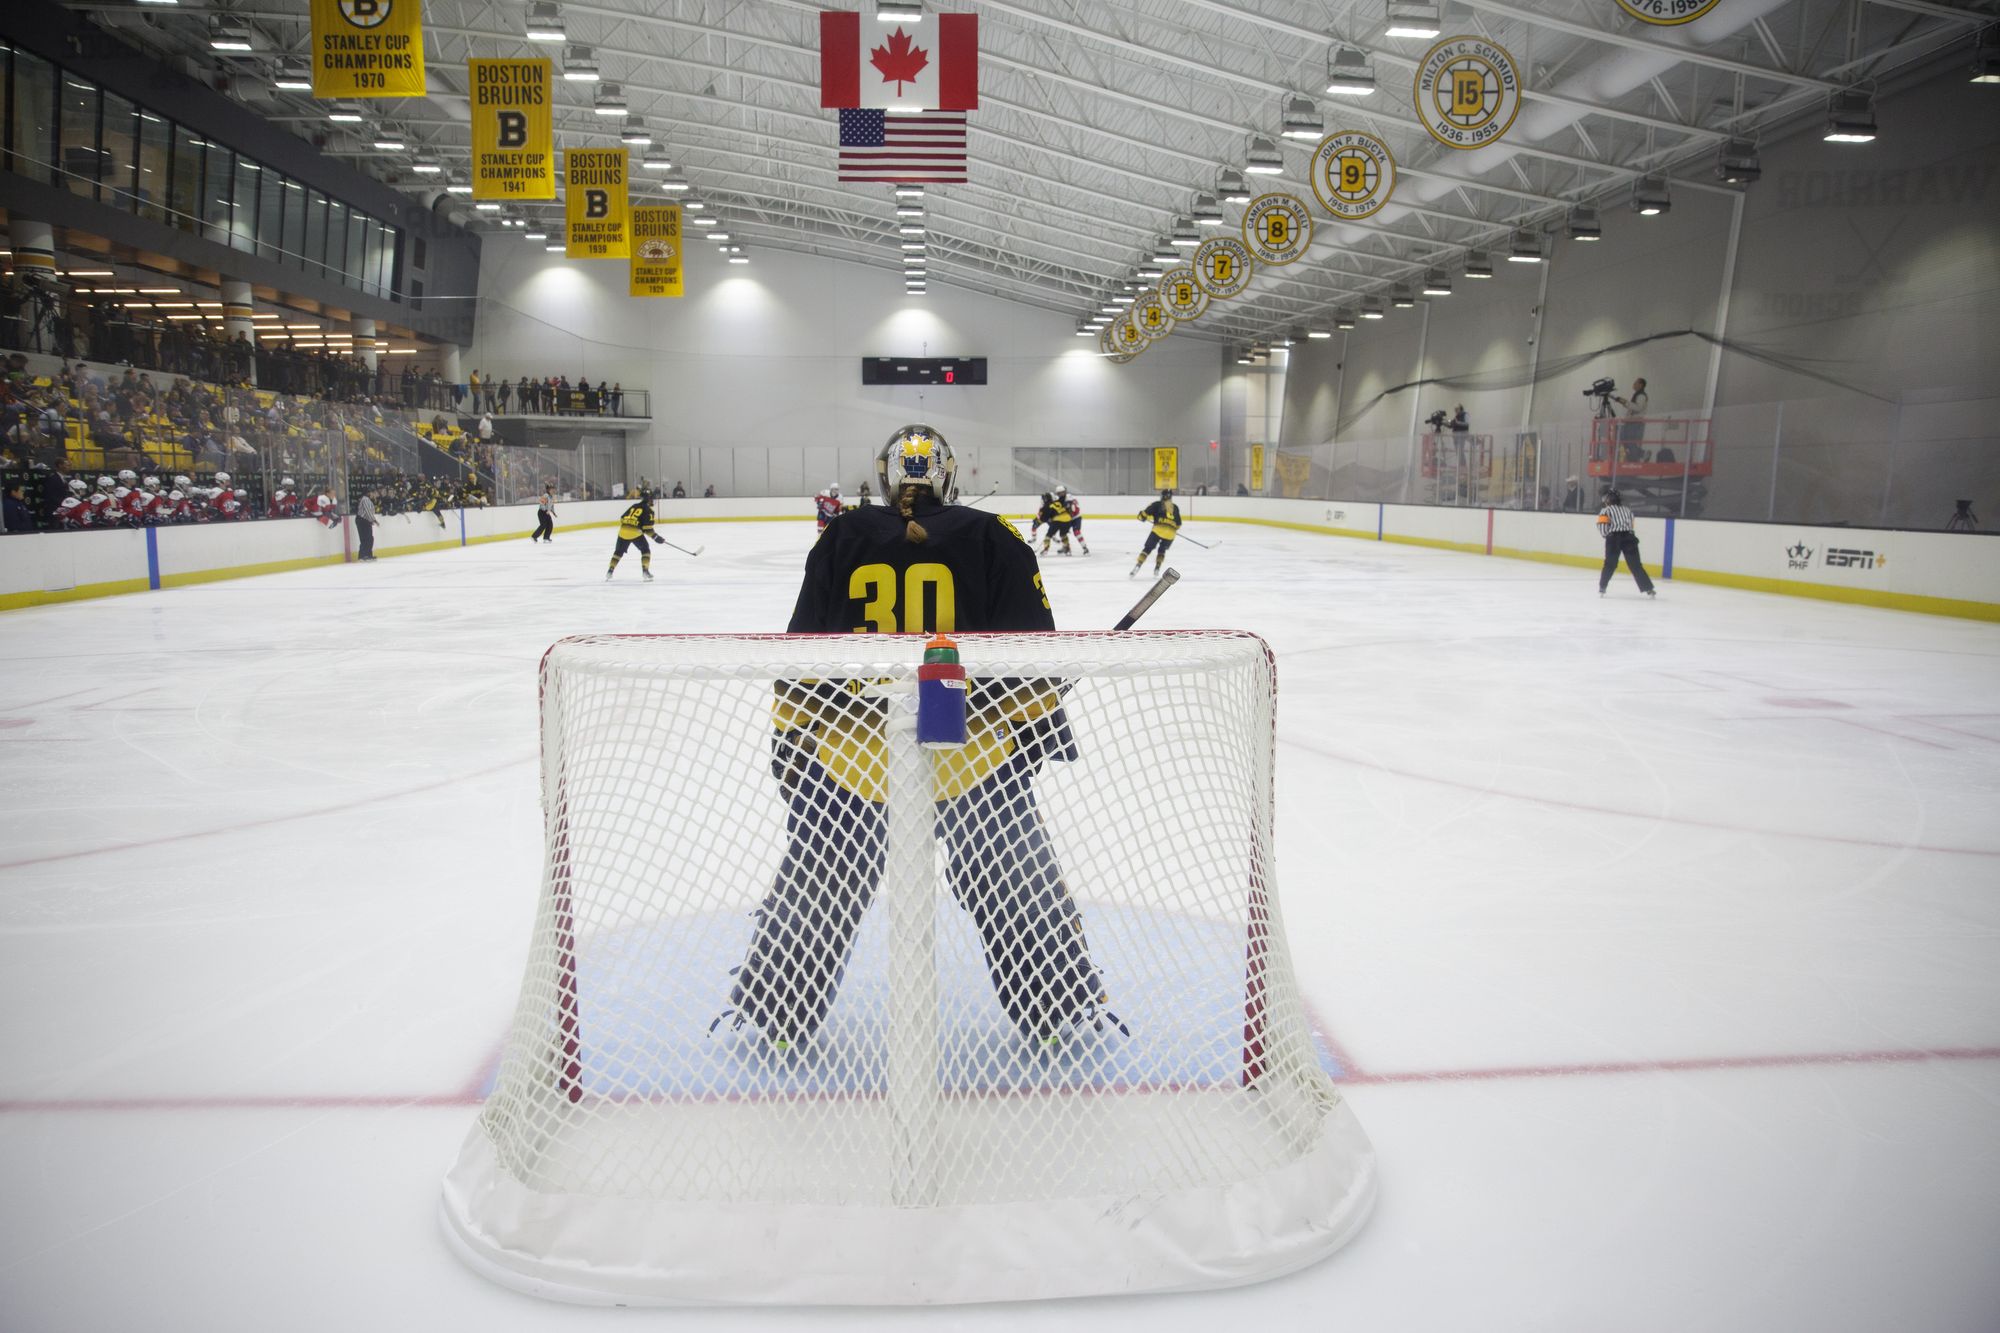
(1436, 420)
(1602, 390)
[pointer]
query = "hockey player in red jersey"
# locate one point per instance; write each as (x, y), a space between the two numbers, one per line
(828, 505)
(105, 511)
(285, 500)
(324, 509)
(1074, 508)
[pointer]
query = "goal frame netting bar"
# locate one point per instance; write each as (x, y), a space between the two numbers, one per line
(904, 1154)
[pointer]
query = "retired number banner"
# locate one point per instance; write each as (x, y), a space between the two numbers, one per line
(656, 250)
(596, 213)
(367, 48)
(513, 145)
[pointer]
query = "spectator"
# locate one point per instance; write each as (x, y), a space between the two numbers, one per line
(709, 494)
(617, 398)
(1572, 497)
(486, 429)
(500, 396)
(680, 491)
(15, 515)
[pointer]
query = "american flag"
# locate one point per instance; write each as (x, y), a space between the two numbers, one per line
(923, 148)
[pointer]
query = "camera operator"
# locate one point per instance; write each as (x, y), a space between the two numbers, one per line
(1459, 425)
(1632, 432)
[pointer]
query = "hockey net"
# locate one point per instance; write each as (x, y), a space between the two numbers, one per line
(814, 1015)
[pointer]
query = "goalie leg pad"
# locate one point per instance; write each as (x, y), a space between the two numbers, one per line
(1004, 872)
(807, 922)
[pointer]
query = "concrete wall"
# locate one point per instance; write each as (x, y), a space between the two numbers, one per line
(769, 353)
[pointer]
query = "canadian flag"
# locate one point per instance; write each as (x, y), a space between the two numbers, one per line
(925, 66)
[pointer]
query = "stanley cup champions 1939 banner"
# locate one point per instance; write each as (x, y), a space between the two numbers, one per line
(596, 212)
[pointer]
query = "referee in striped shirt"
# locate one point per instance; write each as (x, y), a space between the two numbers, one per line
(1615, 522)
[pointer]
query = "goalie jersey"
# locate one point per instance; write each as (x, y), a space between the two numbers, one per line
(971, 572)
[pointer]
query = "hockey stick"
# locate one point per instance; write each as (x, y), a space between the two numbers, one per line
(984, 498)
(1206, 546)
(682, 549)
(1145, 604)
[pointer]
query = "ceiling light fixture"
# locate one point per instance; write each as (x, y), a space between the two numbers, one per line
(1583, 224)
(1650, 197)
(343, 113)
(1263, 159)
(610, 100)
(1436, 283)
(537, 232)
(545, 22)
(634, 132)
(1737, 163)
(1400, 297)
(739, 254)
(293, 77)
(674, 183)
(1185, 236)
(656, 159)
(1165, 251)
(1317, 330)
(899, 11)
(1412, 18)
(909, 191)
(1986, 58)
(1526, 247)
(1229, 184)
(1371, 308)
(911, 226)
(1302, 119)
(910, 208)
(579, 65)
(427, 166)
(1343, 320)
(1349, 73)
(1207, 212)
(1850, 117)
(458, 189)
(1477, 264)
(226, 32)
(388, 141)
(555, 242)
(721, 236)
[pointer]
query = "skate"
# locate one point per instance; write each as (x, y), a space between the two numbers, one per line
(646, 574)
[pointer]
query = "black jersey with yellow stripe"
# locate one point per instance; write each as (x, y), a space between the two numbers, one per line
(972, 571)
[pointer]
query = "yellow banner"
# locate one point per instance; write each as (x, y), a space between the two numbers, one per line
(1166, 469)
(596, 212)
(367, 48)
(656, 250)
(1293, 470)
(513, 144)
(1256, 467)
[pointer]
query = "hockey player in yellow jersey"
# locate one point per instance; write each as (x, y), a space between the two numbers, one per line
(1165, 517)
(635, 525)
(918, 563)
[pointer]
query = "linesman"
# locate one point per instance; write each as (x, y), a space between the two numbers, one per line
(1614, 521)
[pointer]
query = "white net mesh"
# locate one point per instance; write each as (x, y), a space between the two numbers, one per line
(784, 957)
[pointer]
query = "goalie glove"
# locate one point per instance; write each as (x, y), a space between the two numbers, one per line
(791, 751)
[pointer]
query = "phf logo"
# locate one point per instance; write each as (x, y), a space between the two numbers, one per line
(1798, 556)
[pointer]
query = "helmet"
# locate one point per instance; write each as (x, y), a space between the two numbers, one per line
(127, 477)
(918, 456)
(175, 495)
(1612, 498)
(1166, 492)
(182, 481)
(1062, 490)
(76, 486)
(286, 482)
(222, 478)
(833, 491)
(151, 483)
(105, 483)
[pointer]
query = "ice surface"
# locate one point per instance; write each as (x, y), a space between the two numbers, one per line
(1660, 940)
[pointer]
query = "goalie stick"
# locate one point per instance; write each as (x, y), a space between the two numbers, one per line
(1145, 604)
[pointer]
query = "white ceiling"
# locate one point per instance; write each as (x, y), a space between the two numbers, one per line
(1099, 120)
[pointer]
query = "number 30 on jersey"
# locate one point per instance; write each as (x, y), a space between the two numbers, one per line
(925, 588)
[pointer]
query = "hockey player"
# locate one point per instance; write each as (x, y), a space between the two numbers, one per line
(73, 512)
(325, 510)
(828, 505)
(634, 526)
(105, 511)
(138, 504)
(1165, 516)
(1075, 510)
(918, 563)
(285, 500)
(1054, 515)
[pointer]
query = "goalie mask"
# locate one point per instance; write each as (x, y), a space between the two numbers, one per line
(918, 456)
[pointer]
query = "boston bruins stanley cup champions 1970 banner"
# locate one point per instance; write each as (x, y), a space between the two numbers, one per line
(367, 48)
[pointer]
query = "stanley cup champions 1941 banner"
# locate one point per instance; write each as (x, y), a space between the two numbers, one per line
(596, 212)
(367, 48)
(513, 144)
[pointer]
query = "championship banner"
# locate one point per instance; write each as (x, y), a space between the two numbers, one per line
(656, 250)
(1293, 471)
(367, 48)
(1257, 467)
(513, 143)
(597, 215)
(1166, 469)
